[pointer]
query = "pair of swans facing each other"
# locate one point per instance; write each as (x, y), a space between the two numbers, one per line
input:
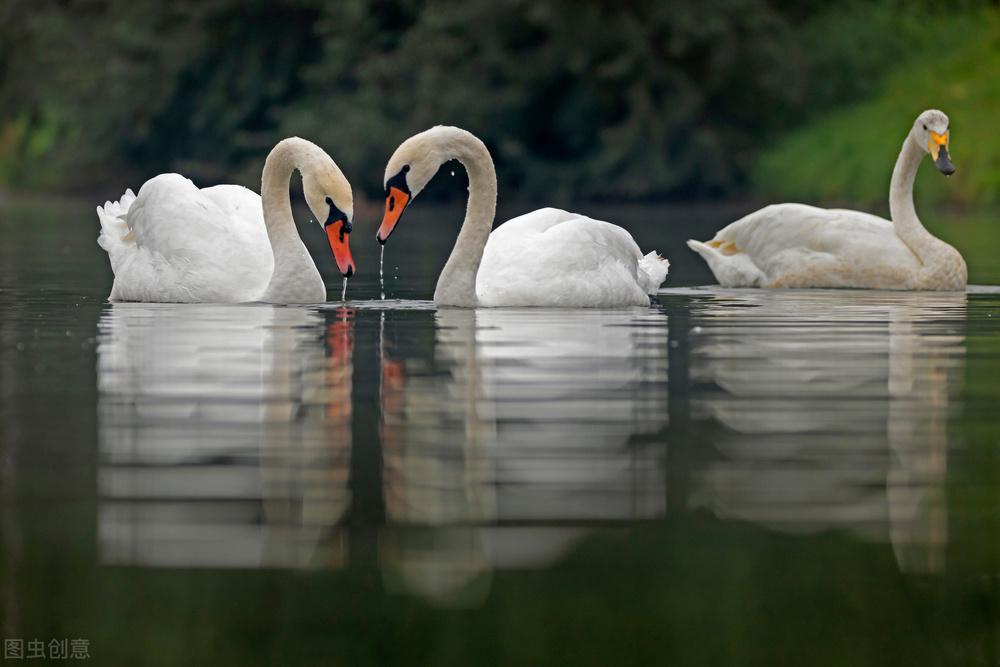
(175, 243)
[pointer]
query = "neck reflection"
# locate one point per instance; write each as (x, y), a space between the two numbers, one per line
(224, 435)
(528, 428)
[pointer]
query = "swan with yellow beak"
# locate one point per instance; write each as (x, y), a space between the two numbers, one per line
(795, 245)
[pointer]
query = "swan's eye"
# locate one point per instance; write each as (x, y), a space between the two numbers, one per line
(925, 128)
(406, 168)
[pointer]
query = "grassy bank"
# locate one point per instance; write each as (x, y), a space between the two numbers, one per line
(848, 154)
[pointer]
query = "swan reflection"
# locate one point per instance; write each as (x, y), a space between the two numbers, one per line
(522, 431)
(225, 434)
(501, 438)
(226, 437)
(830, 412)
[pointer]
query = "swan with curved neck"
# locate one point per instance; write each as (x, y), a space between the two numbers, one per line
(794, 245)
(547, 257)
(174, 242)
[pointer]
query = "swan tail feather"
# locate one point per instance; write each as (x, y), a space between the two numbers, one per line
(730, 265)
(653, 271)
(115, 236)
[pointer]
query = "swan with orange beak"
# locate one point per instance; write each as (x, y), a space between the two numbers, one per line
(175, 242)
(547, 257)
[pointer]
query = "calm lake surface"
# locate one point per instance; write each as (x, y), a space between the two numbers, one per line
(727, 477)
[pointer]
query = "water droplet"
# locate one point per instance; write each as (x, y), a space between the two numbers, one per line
(381, 275)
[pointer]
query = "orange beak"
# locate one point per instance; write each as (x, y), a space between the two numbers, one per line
(395, 204)
(338, 233)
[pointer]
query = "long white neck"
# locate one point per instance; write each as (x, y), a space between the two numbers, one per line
(456, 285)
(296, 278)
(925, 246)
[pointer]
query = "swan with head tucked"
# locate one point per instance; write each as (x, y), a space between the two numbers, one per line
(794, 245)
(547, 257)
(175, 243)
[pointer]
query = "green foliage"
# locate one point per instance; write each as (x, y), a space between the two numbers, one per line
(848, 154)
(132, 88)
(594, 99)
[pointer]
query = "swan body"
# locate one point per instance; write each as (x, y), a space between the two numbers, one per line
(794, 245)
(551, 257)
(548, 257)
(156, 257)
(174, 242)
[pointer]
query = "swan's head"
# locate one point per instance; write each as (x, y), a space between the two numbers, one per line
(931, 132)
(412, 167)
(329, 196)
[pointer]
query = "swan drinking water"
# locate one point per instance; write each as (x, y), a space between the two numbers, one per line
(547, 257)
(793, 245)
(175, 243)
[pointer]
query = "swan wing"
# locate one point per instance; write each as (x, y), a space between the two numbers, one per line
(185, 244)
(775, 229)
(243, 208)
(173, 217)
(795, 245)
(552, 257)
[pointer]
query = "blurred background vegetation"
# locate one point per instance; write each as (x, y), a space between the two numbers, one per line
(595, 100)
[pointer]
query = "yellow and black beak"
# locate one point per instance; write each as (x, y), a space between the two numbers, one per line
(937, 146)
(338, 233)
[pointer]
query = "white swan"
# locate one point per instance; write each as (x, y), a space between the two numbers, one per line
(793, 245)
(544, 258)
(176, 243)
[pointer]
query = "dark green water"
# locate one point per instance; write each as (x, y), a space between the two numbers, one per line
(728, 477)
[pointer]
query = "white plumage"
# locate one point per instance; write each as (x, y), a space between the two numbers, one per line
(547, 257)
(794, 245)
(551, 257)
(176, 243)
